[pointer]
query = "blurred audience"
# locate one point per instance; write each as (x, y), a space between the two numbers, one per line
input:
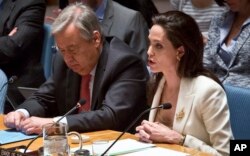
(199, 117)
(116, 79)
(145, 7)
(227, 51)
(116, 20)
(201, 10)
(3, 90)
(63, 3)
(21, 40)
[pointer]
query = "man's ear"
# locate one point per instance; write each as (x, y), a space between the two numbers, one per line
(97, 38)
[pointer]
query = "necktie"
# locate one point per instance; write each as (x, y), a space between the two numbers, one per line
(85, 93)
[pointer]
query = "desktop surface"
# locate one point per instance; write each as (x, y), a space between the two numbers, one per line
(102, 135)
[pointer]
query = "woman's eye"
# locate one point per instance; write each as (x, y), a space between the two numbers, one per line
(158, 46)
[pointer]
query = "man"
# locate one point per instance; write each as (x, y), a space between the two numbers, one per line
(117, 85)
(126, 24)
(21, 40)
(146, 7)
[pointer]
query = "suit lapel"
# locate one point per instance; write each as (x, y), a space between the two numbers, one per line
(72, 89)
(99, 76)
(8, 6)
(108, 17)
(184, 104)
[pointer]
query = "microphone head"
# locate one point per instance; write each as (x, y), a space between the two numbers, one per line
(166, 106)
(82, 101)
(12, 79)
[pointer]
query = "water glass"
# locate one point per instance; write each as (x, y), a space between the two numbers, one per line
(55, 140)
(100, 146)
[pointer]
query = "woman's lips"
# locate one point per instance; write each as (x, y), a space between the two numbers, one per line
(151, 62)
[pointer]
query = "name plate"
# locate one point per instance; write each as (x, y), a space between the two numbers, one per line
(6, 152)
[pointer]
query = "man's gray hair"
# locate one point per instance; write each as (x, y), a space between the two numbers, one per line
(81, 16)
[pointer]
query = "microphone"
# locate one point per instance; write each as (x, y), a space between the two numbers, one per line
(12, 79)
(78, 105)
(162, 106)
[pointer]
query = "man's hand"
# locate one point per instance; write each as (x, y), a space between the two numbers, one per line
(14, 119)
(33, 125)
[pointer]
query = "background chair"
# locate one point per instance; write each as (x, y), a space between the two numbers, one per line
(48, 51)
(239, 106)
(46, 61)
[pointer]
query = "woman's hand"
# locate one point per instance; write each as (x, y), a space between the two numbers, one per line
(157, 132)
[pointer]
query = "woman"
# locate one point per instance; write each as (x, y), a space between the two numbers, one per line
(199, 117)
(202, 11)
(227, 50)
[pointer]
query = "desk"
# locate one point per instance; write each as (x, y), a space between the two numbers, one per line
(105, 134)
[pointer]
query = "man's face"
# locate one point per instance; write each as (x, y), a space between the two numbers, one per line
(91, 3)
(79, 54)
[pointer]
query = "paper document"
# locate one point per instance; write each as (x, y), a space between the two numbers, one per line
(157, 151)
(122, 147)
(11, 135)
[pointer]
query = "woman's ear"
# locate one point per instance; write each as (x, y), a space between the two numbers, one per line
(180, 52)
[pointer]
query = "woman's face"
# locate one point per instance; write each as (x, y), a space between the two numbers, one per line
(162, 56)
(237, 5)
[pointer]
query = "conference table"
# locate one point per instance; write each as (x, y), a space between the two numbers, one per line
(102, 135)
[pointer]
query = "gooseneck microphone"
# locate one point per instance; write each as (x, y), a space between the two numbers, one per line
(11, 80)
(162, 106)
(78, 105)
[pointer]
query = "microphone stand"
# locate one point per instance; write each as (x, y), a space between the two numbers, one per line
(163, 106)
(10, 81)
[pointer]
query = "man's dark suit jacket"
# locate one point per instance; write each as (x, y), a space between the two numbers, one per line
(119, 91)
(20, 54)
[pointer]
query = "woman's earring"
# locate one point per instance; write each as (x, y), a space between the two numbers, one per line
(178, 58)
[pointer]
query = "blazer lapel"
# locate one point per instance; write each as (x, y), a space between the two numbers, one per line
(184, 104)
(8, 6)
(244, 35)
(156, 100)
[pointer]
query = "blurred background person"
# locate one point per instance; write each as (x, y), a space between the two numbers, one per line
(146, 7)
(3, 90)
(126, 24)
(201, 10)
(199, 117)
(21, 40)
(227, 51)
(105, 72)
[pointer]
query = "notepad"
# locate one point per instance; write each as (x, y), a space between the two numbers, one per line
(122, 147)
(11, 135)
(159, 151)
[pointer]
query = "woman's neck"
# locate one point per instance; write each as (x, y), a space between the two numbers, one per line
(172, 80)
